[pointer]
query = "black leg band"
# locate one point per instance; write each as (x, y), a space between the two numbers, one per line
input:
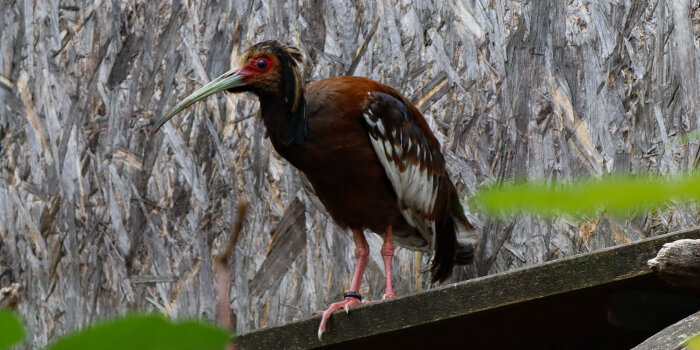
(353, 294)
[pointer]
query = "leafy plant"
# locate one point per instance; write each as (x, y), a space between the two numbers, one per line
(618, 194)
(11, 330)
(693, 343)
(146, 332)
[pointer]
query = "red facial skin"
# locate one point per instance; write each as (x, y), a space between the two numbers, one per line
(252, 68)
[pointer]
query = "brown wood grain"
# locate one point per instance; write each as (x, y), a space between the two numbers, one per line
(97, 218)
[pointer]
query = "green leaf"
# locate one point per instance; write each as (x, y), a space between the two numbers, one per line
(619, 195)
(146, 332)
(693, 343)
(11, 330)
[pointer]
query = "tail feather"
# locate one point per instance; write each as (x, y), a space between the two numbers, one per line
(445, 250)
(449, 249)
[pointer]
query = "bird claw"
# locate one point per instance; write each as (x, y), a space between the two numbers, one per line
(386, 296)
(346, 304)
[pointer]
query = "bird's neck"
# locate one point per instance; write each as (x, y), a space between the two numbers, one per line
(286, 127)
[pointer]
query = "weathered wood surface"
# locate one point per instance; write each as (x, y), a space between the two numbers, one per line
(464, 298)
(673, 336)
(679, 262)
(97, 218)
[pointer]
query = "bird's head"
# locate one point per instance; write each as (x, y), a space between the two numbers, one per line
(268, 68)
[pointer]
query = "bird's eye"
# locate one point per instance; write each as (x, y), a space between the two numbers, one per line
(262, 64)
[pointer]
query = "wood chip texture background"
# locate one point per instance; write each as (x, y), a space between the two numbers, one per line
(98, 219)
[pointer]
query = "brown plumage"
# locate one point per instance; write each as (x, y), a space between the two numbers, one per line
(366, 150)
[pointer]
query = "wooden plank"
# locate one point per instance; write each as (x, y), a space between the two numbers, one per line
(286, 246)
(673, 336)
(470, 297)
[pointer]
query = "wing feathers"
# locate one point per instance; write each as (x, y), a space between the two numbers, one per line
(415, 167)
(403, 151)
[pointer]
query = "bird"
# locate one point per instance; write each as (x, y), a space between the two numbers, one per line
(368, 153)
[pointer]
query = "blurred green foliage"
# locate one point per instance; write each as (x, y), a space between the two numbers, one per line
(617, 194)
(11, 329)
(693, 343)
(146, 332)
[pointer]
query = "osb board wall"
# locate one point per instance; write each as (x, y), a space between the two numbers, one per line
(98, 218)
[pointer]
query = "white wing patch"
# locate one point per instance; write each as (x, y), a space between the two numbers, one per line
(414, 187)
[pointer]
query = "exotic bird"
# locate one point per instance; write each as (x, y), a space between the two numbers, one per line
(366, 150)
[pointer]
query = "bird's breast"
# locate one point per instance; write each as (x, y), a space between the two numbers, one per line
(341, 165)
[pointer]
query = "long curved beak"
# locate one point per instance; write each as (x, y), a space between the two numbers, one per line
(228, 80)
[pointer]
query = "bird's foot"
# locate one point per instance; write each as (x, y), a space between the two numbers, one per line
(347, 303)
(389, 295)
(385, 296)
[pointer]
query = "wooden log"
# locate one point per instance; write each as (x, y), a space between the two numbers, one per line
(673, 336)
(678, 263)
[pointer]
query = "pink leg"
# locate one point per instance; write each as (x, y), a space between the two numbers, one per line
(361, 254)
(387, 255)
